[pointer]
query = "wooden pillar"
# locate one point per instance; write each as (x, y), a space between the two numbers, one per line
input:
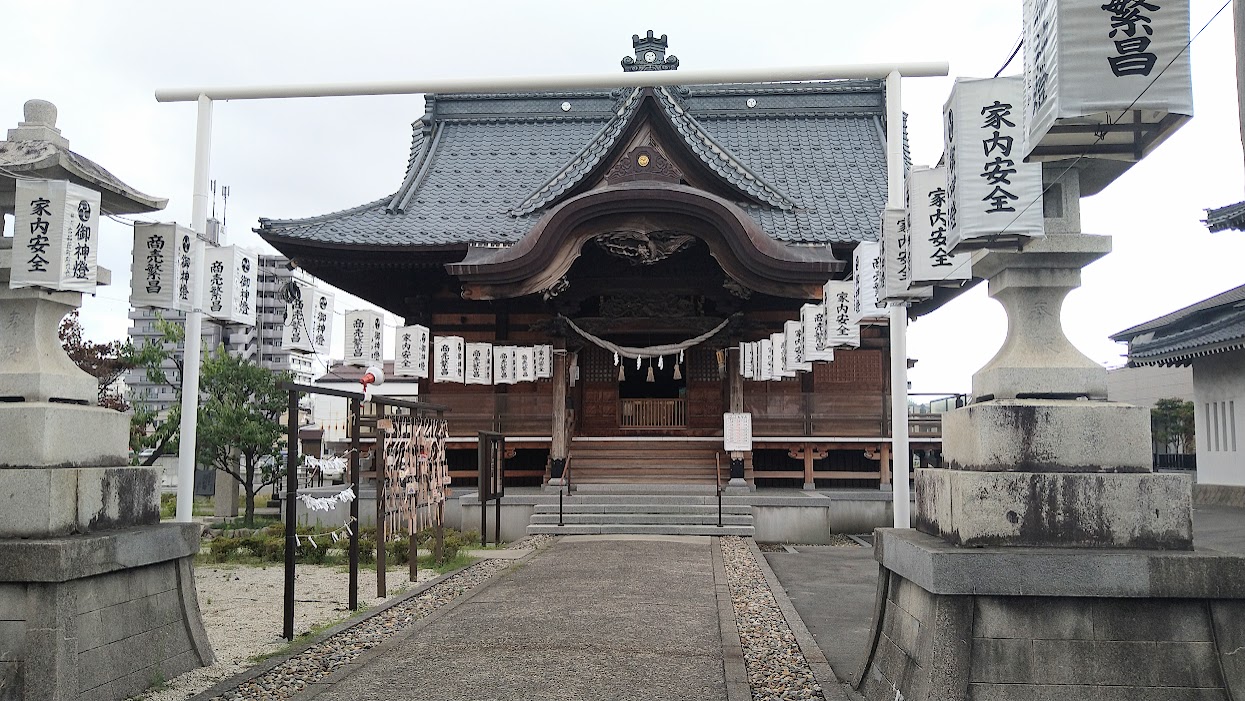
(501, 332)
(884, 466)
(559, 447)
(809, 483)
(735, 400)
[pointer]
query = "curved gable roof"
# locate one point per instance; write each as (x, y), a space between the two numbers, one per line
(808, 161)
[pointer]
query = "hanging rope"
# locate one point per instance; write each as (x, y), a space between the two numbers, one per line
(649, 351)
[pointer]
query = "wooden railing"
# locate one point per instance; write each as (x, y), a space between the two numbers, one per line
(653, 413)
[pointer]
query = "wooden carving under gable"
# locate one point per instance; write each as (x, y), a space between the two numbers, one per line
(644, 162)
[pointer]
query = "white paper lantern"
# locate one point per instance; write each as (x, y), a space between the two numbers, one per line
(746, 370)
(896, 253)
(932, 259)
(544, 362)
(157, 265)
(447, 355)
(814, 320)
(230, 284)
(994, 197)
(320, 317)
(793, 347)
(1104, 80)
(479, 368)
(503, 366)
(525, 364)
(765, 360)
(296, 331)
(55, 236)
(844, 326)
(411, 351)
(778, 349)
(865, 263)
(363, 337)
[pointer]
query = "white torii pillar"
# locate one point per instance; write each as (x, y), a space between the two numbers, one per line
(901, 459)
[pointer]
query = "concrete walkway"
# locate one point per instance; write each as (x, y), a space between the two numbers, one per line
(592, 617)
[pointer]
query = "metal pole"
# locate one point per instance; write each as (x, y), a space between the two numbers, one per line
(194, 318)
(354, 505)
(900, 457)
(291, 517)
(497, 523)
(412, 548)
(483, 522)
(562, 82)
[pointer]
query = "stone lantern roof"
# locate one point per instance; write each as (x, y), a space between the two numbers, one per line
(36, 149)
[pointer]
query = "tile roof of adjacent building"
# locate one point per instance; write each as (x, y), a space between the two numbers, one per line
(1229, 217)
(1214, 325)
(806, 159)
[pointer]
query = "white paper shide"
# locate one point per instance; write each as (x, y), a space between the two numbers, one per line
(994, 198)
(55, 237)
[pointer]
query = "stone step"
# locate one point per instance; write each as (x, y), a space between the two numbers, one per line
(585, 529)
(573, 506)
(673, 489)
(652, 499)
(644, 519)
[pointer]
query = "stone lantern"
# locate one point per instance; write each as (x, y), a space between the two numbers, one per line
(97, 597)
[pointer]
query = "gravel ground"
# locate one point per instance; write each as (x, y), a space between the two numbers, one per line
(242, 609)
(776, 667)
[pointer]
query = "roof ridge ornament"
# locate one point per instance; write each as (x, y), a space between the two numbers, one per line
(650, 55)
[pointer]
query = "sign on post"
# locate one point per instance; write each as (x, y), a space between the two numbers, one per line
(737, 432)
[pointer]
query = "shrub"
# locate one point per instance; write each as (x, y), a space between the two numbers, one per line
(224, 548)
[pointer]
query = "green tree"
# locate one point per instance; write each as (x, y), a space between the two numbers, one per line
(1171, 423)
(241, 411)
(148, 429)
(106, 362)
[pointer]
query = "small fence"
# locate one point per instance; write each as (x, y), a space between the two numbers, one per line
(652, 413)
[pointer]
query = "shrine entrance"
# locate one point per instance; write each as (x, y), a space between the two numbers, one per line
(652, 395)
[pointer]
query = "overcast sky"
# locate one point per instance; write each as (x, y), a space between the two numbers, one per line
(100, 62)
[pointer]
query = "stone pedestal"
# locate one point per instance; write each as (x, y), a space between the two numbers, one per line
(1048, 560)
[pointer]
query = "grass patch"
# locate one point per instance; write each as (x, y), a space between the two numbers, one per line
(201, 506)
(233, 524)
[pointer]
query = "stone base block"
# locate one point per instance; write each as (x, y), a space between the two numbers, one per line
(1048, 435)
(39, 502)
(955, 623)
(1103, 510)
(40, 434)
(99, 617)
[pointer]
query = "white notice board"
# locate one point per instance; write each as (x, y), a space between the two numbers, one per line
(737, 432)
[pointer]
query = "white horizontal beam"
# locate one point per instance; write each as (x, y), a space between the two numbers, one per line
(555, 83)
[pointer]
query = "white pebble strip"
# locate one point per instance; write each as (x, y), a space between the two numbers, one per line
(776, 667)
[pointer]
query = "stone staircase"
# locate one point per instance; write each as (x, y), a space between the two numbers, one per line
(658, 509)
(644, 461)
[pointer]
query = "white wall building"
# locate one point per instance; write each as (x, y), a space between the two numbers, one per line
(1209, 337)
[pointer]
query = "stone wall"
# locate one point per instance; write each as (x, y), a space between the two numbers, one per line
(1046, 647)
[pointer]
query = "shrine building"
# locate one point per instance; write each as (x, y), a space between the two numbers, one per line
(641, 217)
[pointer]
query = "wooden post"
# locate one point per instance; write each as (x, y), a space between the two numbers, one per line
(884, 466)
(809, 483)
(355, 428)
(378, 462)
(559, 444)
